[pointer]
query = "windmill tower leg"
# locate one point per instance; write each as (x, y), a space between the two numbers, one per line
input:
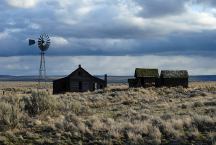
(42, 71)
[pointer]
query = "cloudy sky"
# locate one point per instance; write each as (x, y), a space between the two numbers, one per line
(109, 36)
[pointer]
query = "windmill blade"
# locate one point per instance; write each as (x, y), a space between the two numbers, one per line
(31, 42)
(40, 39)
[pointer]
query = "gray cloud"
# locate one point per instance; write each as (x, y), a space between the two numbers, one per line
(158, 8)
(202, 44)
(99, 33)
(208, 2)
(110, 28)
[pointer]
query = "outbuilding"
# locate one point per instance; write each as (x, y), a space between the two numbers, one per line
(172, 78)
(144, 77)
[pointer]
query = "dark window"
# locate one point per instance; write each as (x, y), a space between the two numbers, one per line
(101, 86)
(80, 73)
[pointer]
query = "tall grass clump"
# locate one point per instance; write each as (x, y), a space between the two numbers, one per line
(204, 122)
(9, 116)
(40, 102)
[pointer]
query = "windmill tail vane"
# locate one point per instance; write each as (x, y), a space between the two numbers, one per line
(31, 42)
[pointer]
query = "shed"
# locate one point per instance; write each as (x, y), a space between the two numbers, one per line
(171, 78)
(78, 81)
(144, 77)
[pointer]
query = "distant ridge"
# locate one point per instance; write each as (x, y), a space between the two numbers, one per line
(6, 76)
(111, 79)
(25, 78)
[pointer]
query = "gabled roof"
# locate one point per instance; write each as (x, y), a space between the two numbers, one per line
(146, 72)
(83, 70)
(79, 69)
(174, 74)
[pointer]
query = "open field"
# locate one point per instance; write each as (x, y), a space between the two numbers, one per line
(116, 115)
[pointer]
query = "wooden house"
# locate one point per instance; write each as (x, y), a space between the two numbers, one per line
(78, 81)
(144, 78)
(172, 78)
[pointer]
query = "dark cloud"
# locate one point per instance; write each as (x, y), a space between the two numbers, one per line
(208, 2)
(86, 32)
(158, 8)
(105, 28)
(200, 44)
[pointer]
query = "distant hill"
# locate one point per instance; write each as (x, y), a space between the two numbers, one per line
(25, 78)
(111, 79)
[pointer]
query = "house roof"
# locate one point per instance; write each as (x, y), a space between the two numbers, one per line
(174, 74)
(83, 70)
(146, 72)
(79, 69)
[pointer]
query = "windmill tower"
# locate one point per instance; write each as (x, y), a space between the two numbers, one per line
(43, 45)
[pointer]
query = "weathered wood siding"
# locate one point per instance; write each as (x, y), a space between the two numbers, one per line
(173, 82)
(172, 78)
(74, 85)
(60, 86)
(143, 82)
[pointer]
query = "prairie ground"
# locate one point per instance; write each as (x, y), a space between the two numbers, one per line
(117, 115)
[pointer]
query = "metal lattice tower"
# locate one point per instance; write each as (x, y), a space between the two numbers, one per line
(42, 70)
(43, 44)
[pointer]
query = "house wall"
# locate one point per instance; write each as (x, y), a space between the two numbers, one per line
(148, 81)
(172, 82)
(81, 83)
(85, 84)
(143, 82)
(73, 85)
(60, 86)
(132, 83)
(100, 85)
(78, 81)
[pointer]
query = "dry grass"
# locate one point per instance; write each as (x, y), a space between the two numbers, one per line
(116, 115)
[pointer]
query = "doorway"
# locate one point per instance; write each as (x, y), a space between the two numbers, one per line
(94, 86)
(80, 86)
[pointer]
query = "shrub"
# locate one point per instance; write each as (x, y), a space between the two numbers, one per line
(39, 102)
(203, 122)
(75, 124)
(9, 116)
(212, 137)
(184, 106)
(172, 128)
(198, 104)
(155, 135)
(177, 124)
(210, 103)
(73, 106)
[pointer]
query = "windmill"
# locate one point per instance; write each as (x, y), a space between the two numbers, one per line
(43, 45)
